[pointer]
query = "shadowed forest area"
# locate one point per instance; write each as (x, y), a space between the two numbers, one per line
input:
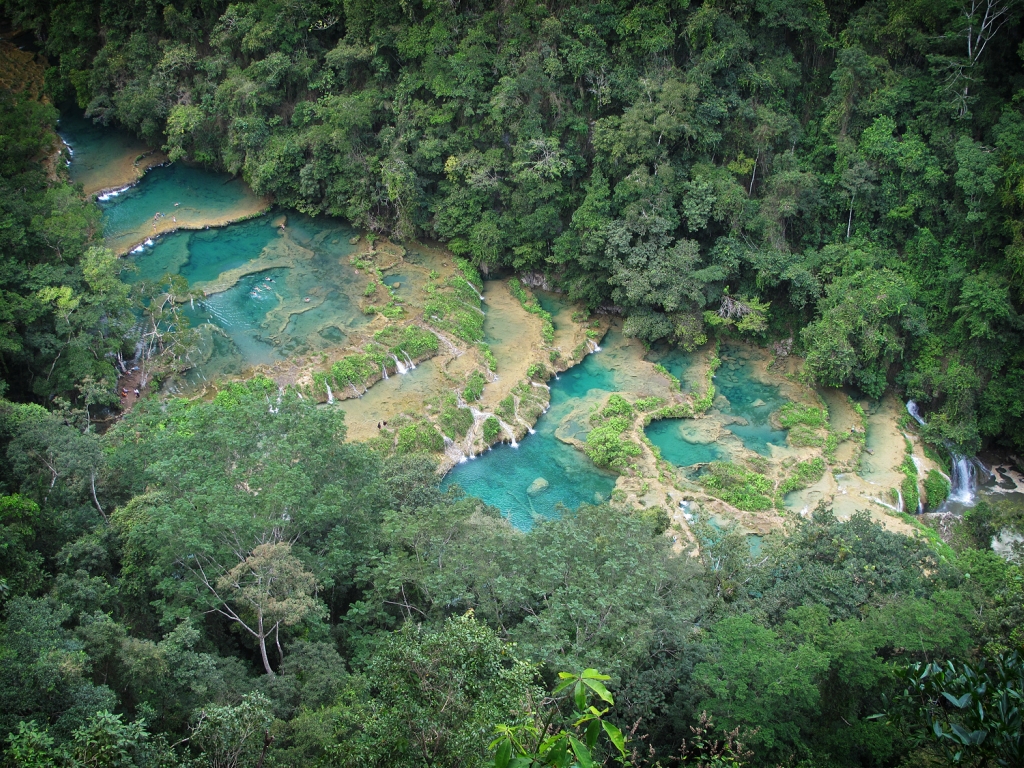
(226, 581)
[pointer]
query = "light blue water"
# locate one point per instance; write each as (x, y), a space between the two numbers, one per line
(750, 400)
(502, 476)
(675, 360)
(669, 436)
(299, 296)
(192, 196)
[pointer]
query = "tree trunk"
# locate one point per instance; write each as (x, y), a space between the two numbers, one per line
(263, 648)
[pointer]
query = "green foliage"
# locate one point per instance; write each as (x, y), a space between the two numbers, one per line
(707, 398)
(353, 370)
(805, 473)
(743, 489)
(420, 435)
(474, 388)
(936, 488)
(455, 421)
(673, 381)
(792, 414)
(507, 409)
(617, 406)
(415, 341)
(492, 429)
(606, 446)
(969, 711)
(492, 364)
(530, 744)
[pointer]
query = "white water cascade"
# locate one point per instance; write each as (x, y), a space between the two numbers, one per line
(354, 389)
(408, 360)
(480, 295)
(509, 432)
(330, 395)
(384, 372)
(399, 365)
(964, 482)
(594, 346)
(542, 386)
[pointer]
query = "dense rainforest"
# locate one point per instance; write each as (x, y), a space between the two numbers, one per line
(216, 583)
(851, 173)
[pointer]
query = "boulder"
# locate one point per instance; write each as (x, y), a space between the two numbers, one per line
(538, 485)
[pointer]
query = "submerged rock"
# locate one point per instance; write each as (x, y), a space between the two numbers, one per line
(537, 486)
(759, 403)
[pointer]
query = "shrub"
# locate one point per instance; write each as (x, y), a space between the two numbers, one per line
(936, 488)
(492, 429)
(607, 448)
(750, 491)
(455, 421)
(792, 414)
(474, 387)
(804, 474)
(801, 435)
(492, 364)
(419, 436)
(507, 409)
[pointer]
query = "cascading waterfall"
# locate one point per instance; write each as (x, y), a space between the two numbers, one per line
(964, 481)
(330, 395)
(355, 389)
(384, 372)
(480, 295)
(594, 346)
(900, 506)
(408, 360)
(542, 386)
(399, 365)
(509, 432)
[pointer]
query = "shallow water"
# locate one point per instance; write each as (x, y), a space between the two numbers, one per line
(676, 361)
(750, 400)
(173, 197)
(287, 291)
(102, 157)
(680, 445)
(503, 476)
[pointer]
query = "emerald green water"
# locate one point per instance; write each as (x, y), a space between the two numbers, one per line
(502, 476)
(747, 413)
(678, 446)
(172, 196)
(675, 361)
(287, 291)
(101, 157)
(750, 400)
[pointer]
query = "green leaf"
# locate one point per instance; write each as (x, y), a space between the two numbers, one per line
(593, 674)
(599, 689)
(616, 736)
(961, 702)
(593, 729)
(501, 759)
(580, 695)
(582, 753)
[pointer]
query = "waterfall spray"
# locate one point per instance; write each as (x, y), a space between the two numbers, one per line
(384, 372)
(330, 395)
(399, 365)
(412, 365)
(964, 481)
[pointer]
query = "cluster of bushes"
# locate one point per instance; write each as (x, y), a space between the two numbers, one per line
(744, 489)
(474, 388)
(455, 421)
(606, 444)
(805, 473)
